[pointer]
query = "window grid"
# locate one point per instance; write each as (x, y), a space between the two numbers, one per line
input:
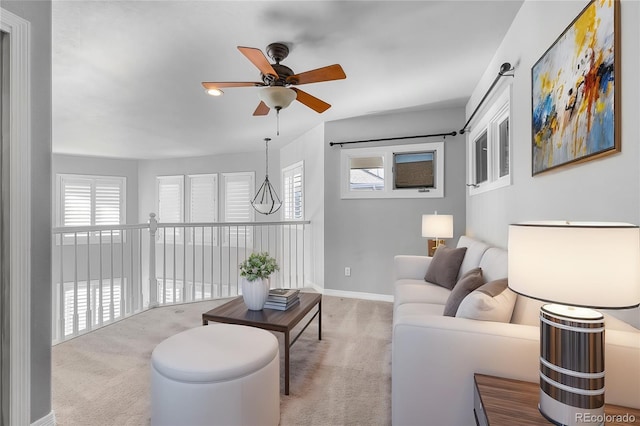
(293, 192)
(87, 200)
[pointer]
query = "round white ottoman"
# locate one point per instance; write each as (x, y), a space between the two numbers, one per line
(220, 374)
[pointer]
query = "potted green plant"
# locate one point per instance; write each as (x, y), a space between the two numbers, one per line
(255, 272)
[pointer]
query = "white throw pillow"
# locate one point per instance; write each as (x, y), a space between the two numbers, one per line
(485, 304)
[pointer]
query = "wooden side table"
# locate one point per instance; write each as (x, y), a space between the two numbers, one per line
(505, 402)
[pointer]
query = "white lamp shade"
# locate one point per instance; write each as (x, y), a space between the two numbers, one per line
(437, 225)
(277, 96)
(586, 264)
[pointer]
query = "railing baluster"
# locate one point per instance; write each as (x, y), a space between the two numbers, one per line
(184, 266)
(123, 292)
(111, 304)
(153, 282)
(75, 284)
(126, 293)
(61, 331)
(193, 266)
(89, 311)
(212, 248)
(174, 268)
(202, 257)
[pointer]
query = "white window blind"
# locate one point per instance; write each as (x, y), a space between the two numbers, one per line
(238, 190)
(293, 192)
(85, 200)
(170, 196)
(203, 204)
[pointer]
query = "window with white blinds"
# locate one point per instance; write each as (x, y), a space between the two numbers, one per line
(293, 192)
(170, 196)
(237, 192)
(203, 205)
(85, 200)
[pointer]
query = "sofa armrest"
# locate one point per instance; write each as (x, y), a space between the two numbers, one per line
(434, 359)
(410, 267)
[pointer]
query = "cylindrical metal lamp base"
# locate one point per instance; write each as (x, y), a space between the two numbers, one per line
(571, 365)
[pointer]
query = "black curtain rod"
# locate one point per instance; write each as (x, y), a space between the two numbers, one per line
(391, 139)
(504, 68)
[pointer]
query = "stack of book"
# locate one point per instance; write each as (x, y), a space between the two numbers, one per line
(282, 299)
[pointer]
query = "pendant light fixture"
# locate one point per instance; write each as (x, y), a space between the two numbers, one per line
(266, 200)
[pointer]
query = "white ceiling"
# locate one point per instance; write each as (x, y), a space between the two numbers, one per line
(127, 74)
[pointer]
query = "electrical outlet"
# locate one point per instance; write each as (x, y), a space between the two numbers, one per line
(347, 271)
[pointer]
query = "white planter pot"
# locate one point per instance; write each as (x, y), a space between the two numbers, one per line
(255, 293)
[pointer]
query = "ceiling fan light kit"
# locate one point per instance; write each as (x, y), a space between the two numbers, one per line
(277, 97)
(214, 92)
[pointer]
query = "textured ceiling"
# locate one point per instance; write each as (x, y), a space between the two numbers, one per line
(127, 74)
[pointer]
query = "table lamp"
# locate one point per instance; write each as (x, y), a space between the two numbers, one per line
(436, 226)
(579, 267)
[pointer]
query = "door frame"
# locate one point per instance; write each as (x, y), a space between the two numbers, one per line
(19, 33)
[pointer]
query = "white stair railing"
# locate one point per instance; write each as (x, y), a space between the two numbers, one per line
(102, 274)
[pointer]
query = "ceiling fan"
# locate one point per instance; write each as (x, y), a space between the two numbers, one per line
(276, 92)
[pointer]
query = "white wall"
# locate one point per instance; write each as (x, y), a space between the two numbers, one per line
(606, 189)
(366, 234)
(309, 148)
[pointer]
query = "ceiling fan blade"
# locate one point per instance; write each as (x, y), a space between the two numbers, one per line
(331, 72)
(262, 109)
(311, 101)
(258, 59)
(221, 84)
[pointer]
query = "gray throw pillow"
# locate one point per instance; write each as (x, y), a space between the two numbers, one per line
(445, 265)
(465, 285)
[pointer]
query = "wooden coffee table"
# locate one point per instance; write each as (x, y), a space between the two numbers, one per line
(236, 312)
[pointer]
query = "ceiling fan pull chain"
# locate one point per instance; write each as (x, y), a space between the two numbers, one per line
(278, 121)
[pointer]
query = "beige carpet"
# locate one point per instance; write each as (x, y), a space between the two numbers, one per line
(103, 378)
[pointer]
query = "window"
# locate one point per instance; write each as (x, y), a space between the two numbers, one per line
(489, 148)
(203, 204)
(238, 190)
(402, 171)
(414, 170)
(85, 200)
(170, 196)
(293, 192)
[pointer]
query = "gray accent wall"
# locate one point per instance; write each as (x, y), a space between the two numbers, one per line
(365, 234)
(606, 189)
(38, 13)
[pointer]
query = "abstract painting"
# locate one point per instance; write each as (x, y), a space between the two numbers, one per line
(575, 91)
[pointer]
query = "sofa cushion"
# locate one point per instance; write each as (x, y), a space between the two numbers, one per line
(475, 250)
(494, 264)
(418, 291)
(445, 265)
(465, 285)
(493, 301)
(401, 313)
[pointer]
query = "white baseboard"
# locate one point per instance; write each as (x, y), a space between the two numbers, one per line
(356, 295)
(48, 420)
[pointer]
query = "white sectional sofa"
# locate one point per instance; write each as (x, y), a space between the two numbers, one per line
(434, 357)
